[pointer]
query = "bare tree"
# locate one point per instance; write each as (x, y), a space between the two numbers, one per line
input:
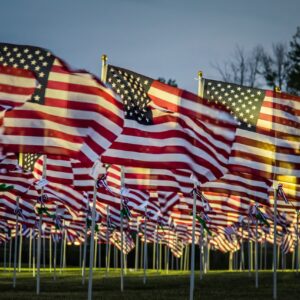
(254, 65)
(275, 67)
(243, 68)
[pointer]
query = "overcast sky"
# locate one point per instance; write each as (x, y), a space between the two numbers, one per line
(158, 38)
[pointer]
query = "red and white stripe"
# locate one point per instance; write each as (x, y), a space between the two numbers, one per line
(80, 118)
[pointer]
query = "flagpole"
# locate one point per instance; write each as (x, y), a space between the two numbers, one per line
(16, 245)
(192, 274)
(20, 248)
(136, 246)
(33, 254)
(65, 248)
(249, 250)
(200, 84)
(107, 241)
(44, 250)
(95, 251)
(242, 266)
(154, 251)
(4, 256)
(297, 242)
(265, 258)
(256, 254)
(157, 251)
(40, 230)
(10, 250)
(201, 251)
(275, 187)
(168, 258)
(122, 241)
(90, 286)
(50, 252)
(55, 254)
(85, 243)
(30, 249)
(145, 247)
(38, 263)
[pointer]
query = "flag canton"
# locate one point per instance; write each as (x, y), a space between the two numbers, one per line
(244, 103)
(28, 160)
(132, 88)
(37, 60)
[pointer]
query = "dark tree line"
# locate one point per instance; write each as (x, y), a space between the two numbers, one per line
(280, 67)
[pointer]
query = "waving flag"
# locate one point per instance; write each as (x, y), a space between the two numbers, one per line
(70, 113)
(268, 138)
(16, 86)
(169, 128)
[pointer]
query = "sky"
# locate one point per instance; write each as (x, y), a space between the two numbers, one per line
(158, 38)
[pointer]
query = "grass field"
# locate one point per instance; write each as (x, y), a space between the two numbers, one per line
(214, 285)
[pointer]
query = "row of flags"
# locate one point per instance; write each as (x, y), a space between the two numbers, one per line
(155, 142)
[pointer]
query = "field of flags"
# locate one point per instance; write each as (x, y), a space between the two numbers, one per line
(127, 159)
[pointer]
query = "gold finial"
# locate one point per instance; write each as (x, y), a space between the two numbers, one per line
(104, 57)
(200, 74)
(277, 89)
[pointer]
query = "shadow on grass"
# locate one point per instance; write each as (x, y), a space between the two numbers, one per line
(215, 285)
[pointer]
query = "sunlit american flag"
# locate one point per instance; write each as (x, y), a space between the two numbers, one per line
(268, 138)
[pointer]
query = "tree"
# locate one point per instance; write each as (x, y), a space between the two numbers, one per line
(171, 82)
(293, 80)
(275, 67)
(243, 68)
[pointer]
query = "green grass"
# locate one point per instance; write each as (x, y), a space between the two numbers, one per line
(216, 285)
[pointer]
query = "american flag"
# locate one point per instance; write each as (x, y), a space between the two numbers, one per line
(237, 191)
(175, 180)
(268, 138)
(70, 113)
(16, 86)
(169, 128)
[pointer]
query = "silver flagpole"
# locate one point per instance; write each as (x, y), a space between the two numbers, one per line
(90, 286)
(95, 251)
(30, 249)
(154, 251)
(55, 254)
(201, 251)
(160, 255)
(242, 249)
(99, 250)
(122, 238)
(136, 246)
(10, 250)
(20, 248)
(249, 249)
(4, 256)
(80, 255)
(168, 258)
(61, 248)
(265, 258)
(107, 242)
(65, 249)
(145, 248)
(192, 274)
(40, 232)
(297, 242)
(33, 254)
(157, 252)
(50, 252)
(275, 186)
(44, 250)
(256, 254)
(38, 263)
(16, 245)
(85, 243)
